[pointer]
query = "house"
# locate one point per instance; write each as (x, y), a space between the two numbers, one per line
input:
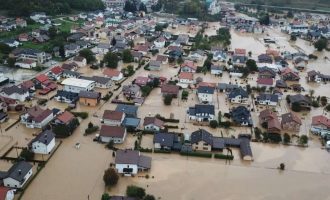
(71, 49)
(18, 175)
(266, 72)
(21, 22)
(205, 94)
(89, 98)
(188, 66)
(31, 54)
(241, 116)
(64, 118)
(103, 48)
(264, 58)
(117, 134)
(270, 118)
(137, 56)
(141, 81)
(196, 55)
(130, 162)
(182, 39)
(26, 64)
(238, 95)
(265, 82)
(288, 74)
(281, 84)
(7, 193)
(267, 99)
(11, 43)
(15, 92)
(43, 143)
(142, 49)
(219, 56)
(320, 125)
(76, 85)
(225, 87)
(300, 63)
(80, 61)
(56, 72)
(154, 65)
(172, 90)
(167, 141)
(313, 76)
(36, 117)
(153, 124)
(201, 140)
(291, 122)
(113, 118)
(99, 81)
(131, 91)
(129, 110)
(186, 78)
(302, 100)
(114, 74)
(201, 113)
(3, 116)
(23, 37)
(70, 66)
(70, 74)
(67, 97)
(216, 69)
(160, 42)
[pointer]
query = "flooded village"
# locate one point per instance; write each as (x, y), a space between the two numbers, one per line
(149, 105)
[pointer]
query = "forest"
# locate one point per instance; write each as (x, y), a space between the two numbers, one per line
(51, 7)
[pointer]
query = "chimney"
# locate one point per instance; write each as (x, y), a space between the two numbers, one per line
(19, 172)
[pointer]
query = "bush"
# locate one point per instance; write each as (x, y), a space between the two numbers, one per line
(27, 155)
(197, 154)
(303, 140)
(91, 130)
(168, 99)
(324, 100)
(282, 166)
(286, 138)
(315, 104)
(162, 151)
(134, 191)
(110, 177)
(312, 56)
(149, 197)
(222, 156)
(296, 107)
(257, 133)
(145, 90)
(225, 124)
(272, 137)
(105, 196)
(327, 108)
(184, 95)
(170, 126)
(82, 115)
(147, 150)
(213, 124)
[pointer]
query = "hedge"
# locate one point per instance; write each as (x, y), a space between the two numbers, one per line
(197, 154)
(147, 150)
(161, 151)
(145, 132)
(167, 120)
(82, 115)
(222, 156)
(91, 130)
(169, 126)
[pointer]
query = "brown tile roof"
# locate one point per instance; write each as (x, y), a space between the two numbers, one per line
(65, 117)
(321, 120)
(290, 117)
(112, 131)
(186, 75)
(111, 72)
(153, 120)
(170, 89)
(113, 115)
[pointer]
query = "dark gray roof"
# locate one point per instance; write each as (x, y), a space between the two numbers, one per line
(226, 86)
(14, 89)
(97, 79)
(205, 89)
(89, 94)
(201, 108)
(155, 63)
(164, 139)
(299, 98)
(44, 137)
(68, 95)
(71, 73)
(19, 170)
(245, 147)
(218, 143)
(216, 67)
(241, 114)
(270, 97)
(281, 84)
(236, 92)
(127, 109)
(132, 157)
(144, 161)
(201, 135)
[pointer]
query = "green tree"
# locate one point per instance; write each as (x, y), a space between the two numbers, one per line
(105, 196)
(145, 90)
(296, 107)
(321, 44)
(293, 37)
(264, 19)
(27, 155)
(52, 31)
(159, 28)
(303, 140)
(111, 60)
(110, 144)
(4, 48)
(184, 95)
(149, 197)
(327, 108)
(286, 138)
(324, 100)
(143, 7)
(11, 62)
(88, 54)
(252, 65)
(213, 124)
(168, 100)
(62, 51)
(110, 177)
(134, 191)
(127, 56)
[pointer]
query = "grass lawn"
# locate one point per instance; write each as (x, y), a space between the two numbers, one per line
(67, 25)
(32, 45)
(16, 32)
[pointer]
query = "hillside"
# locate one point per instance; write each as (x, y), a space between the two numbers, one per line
(51, 7)
(304, 4)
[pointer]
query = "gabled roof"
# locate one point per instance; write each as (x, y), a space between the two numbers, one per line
(170, 89)
(236, 92)
(270, 97)
(299, 98)
(38, 114)
(201, 135)
(65, 117)
(186, 75)
(205, 90)
(44, 137)
(19, 170)
(189, 64)
(113, 115)
(89, 94)
(14, 89)
(112, 131)
(265, 81)
(41, 78)
(57, 70)
(132, 157)
(164, 139)
(153, 120)
(290, 117)
(111, 72)
(321, 120)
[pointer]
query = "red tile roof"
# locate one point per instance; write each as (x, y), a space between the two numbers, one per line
(3, 193)
(65, 117)
(56, 70)
(112, 131)
(321, 120)
(111, 72)
(186, 75)
(240, 51)
(189, 64)
(265, 81)
(42, 78)
(113, 115)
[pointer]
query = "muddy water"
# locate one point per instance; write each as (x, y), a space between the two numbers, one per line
(77, 173)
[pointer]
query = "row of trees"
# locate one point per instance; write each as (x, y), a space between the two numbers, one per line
(52, 7)
(133, 6)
